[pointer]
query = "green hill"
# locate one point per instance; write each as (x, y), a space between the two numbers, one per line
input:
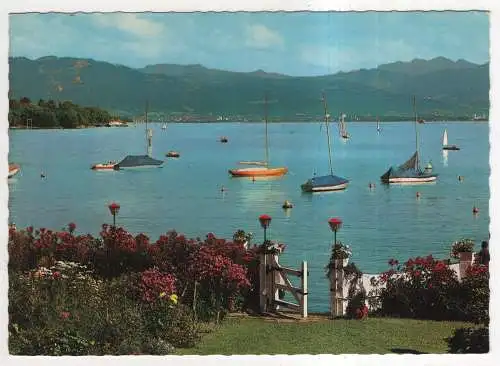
(442, 86)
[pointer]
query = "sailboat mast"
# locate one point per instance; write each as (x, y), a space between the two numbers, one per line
(416, 128)
(327, 133)
(149, 134)
(267, 143)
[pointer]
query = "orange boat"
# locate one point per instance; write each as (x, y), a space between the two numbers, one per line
(104, 166)
(262, 169)
(13, 170)
(258, 172)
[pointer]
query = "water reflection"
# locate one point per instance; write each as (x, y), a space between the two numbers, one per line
(445, 158)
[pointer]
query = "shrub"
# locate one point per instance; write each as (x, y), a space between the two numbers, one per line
(470, 340)
(427, 288)
(158, 346)
(476, 292)
(420, 288)
(356, 306)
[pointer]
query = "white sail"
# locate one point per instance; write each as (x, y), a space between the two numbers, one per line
(445, 137)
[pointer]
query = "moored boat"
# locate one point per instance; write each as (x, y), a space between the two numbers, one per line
(329, 182)
(258, 172)
(173, 154)
(410, 171)
(445, 142)
(141, 161)
(13, 170)
(104, 166)
(262, 169)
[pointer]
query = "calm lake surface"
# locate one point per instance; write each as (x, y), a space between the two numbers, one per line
(185, 194)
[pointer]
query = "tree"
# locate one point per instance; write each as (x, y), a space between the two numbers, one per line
(25, 101)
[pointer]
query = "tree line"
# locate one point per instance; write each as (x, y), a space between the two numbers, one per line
(54, 114)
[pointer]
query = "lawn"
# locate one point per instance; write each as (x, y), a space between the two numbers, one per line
(324, 336)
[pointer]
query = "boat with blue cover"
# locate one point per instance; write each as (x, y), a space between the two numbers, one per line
(141, 161)
(328, 182)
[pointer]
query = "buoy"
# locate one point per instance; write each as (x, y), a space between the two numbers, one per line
(475, 210)
(418, 194)
(287, 204)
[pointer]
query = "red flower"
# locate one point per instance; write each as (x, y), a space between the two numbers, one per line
(65, 315)
(56, 275)
(29, 229)
(417, 273)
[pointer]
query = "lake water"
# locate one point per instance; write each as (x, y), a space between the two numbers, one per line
(185, 194)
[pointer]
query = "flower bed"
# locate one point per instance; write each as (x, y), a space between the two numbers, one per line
(119, 293)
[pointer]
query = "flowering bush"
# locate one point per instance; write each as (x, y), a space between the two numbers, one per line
(427, 288)
(461, 246)
(212, 276)
(475, 289)
(155, 284)
(220, 279)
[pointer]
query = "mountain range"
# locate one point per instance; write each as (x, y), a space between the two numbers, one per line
(442, 87)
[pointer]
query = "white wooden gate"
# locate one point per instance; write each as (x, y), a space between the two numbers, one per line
(274, 277)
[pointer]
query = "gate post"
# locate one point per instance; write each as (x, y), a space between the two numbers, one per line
(337, 289)
(303, 302)
(263, 283)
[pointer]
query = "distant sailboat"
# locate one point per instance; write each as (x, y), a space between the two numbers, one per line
(262, 169)
(343, 129)
(328, 182)
(410, 171)
(445, 142)
(378, 126)
(164, 127)
(141, 161)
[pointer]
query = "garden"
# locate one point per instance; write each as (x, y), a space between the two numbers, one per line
(124, 294)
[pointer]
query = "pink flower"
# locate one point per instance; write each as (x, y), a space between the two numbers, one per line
(65, 315)
(56, 275)
(71, 227)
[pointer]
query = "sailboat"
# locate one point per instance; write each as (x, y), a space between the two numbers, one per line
(410, 171)
(343, 130)
(262, 168)
(328, 182)
(445, 142)
(164, 127)
(378, 126)
(141, 161)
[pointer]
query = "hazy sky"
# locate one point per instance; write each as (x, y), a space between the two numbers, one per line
(289, 43)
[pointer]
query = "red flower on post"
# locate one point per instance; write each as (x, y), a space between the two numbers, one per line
(265, 220)
(335, 224)
(114, 208)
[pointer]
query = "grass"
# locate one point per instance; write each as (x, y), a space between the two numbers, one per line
(324, 336)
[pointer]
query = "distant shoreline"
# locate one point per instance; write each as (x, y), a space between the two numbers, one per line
(131, 124)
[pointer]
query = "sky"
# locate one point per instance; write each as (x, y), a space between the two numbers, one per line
(299, 44)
